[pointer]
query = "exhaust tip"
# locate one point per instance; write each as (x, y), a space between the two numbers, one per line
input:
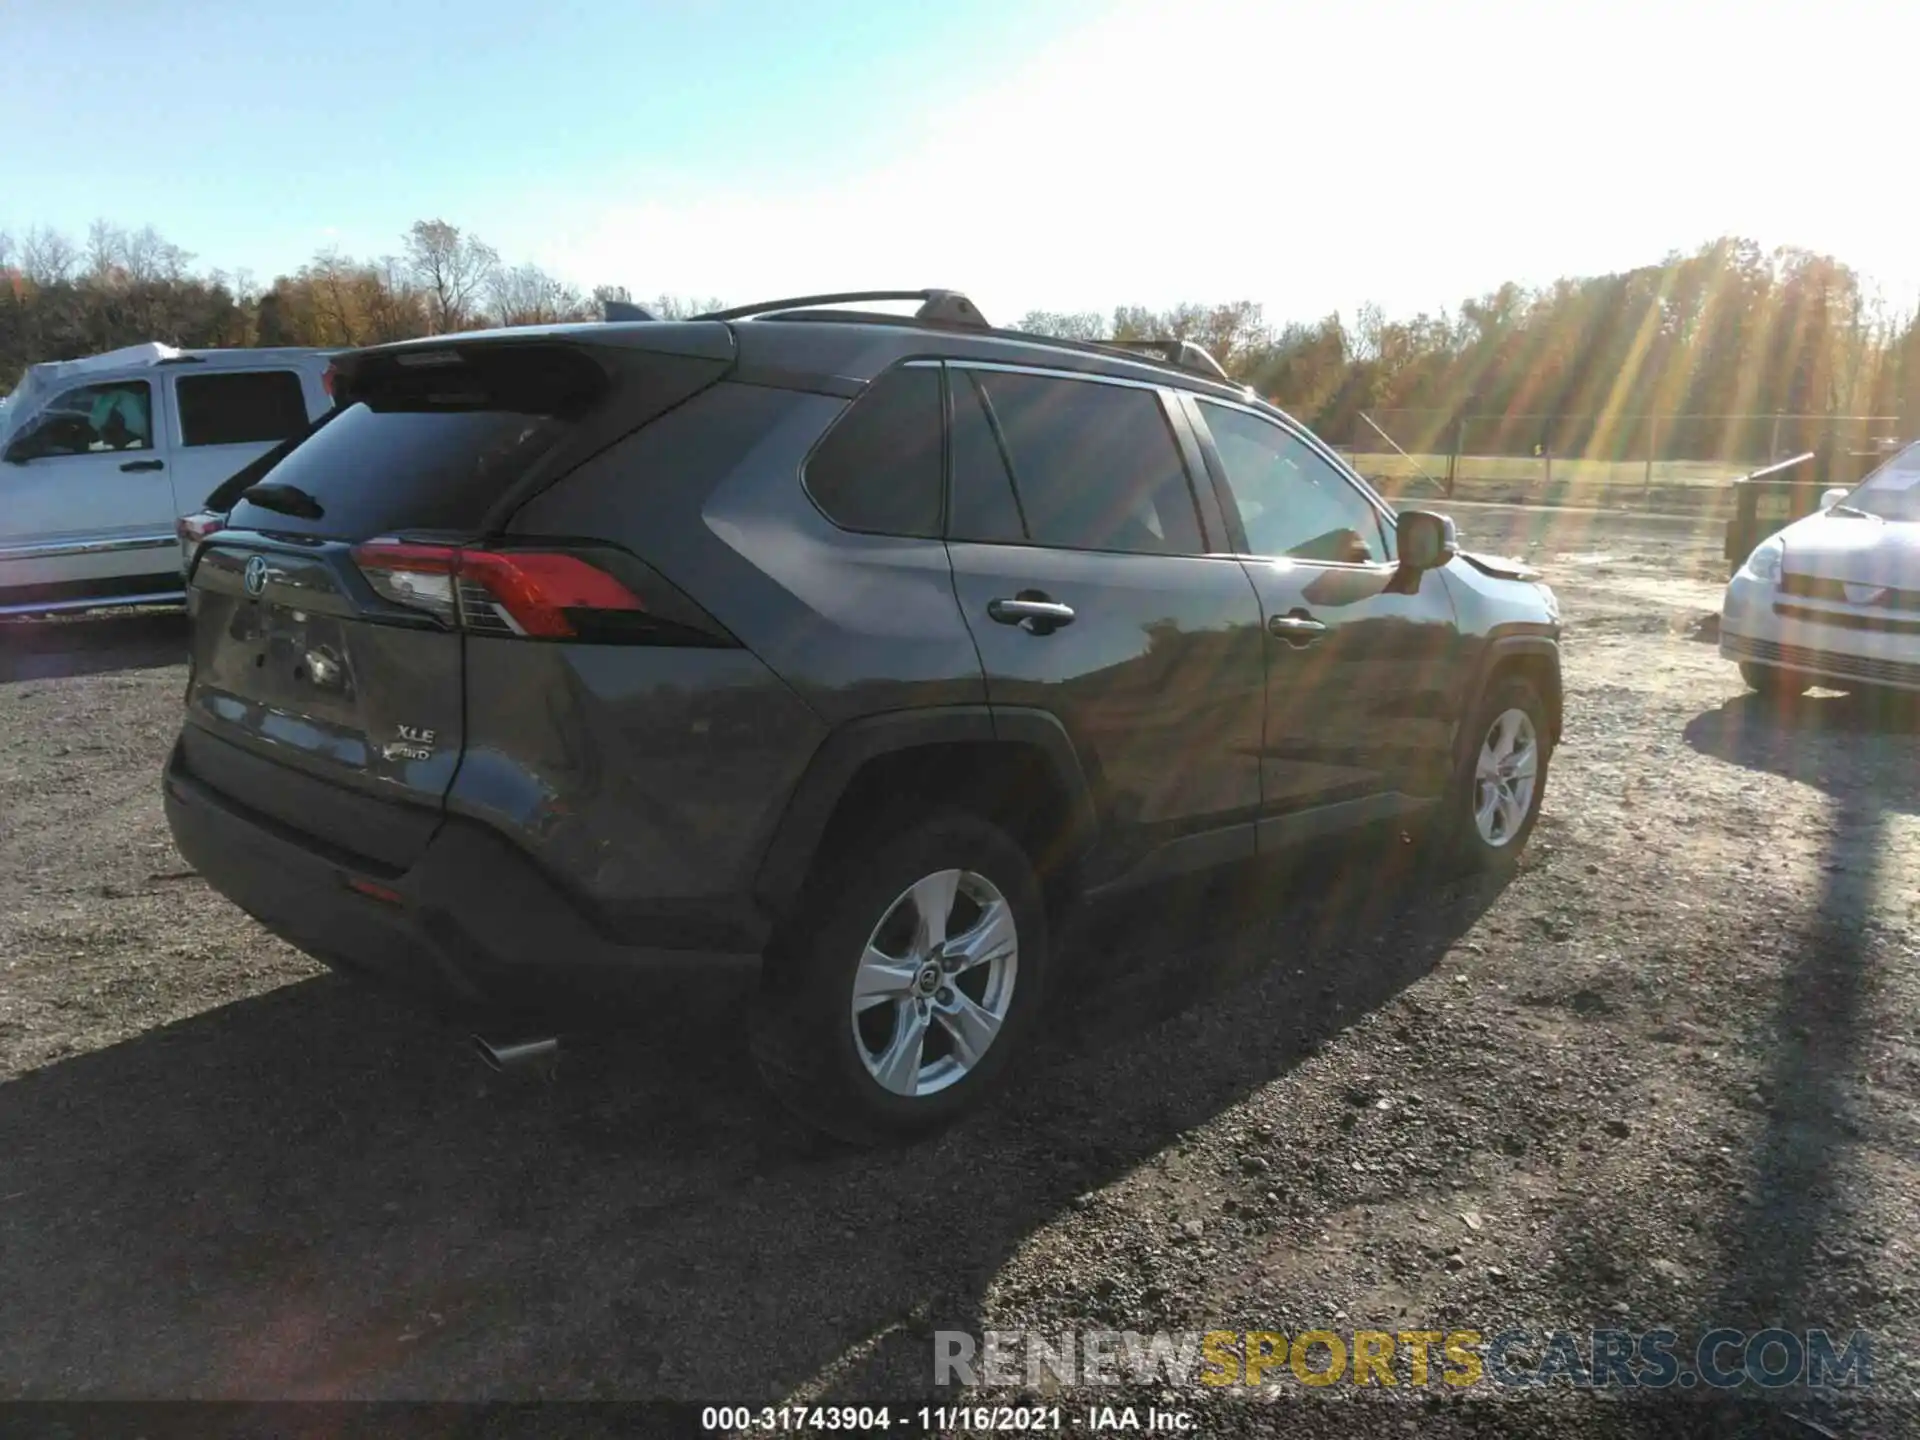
(516, 1053)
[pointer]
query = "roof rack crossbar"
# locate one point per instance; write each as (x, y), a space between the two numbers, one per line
(947, 307)
(1183, 354)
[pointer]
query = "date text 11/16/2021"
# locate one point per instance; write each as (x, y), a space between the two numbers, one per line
(934, 1419)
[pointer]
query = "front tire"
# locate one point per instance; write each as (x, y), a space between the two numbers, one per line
(1774, 682)
(907, 985)
(1495, 800)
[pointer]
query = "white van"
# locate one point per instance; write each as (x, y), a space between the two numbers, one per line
(99, 458)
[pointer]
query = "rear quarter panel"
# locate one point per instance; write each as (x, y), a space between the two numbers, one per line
(644, 778)
(654, 776)
(710, 495)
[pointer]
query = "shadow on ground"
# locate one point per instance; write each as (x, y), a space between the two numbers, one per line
(1835, 743)
(1799, 1180)
(59, 647)
(316, 1192)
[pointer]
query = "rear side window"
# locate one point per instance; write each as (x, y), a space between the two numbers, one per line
(878, 469)
(248, 408)
(984, 506)
(1095, 466)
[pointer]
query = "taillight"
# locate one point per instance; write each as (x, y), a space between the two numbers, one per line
(327, 377)
(192, 529)
(420, 577)
(544, 594)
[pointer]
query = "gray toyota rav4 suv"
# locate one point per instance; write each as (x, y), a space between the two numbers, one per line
(848, 648)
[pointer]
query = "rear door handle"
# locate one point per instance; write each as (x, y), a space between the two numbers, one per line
(1035, 614)
(144, 465)
(1298, 629)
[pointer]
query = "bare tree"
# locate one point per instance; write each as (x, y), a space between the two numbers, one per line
(452, 268)
(528, 295)
(47, 256)
(105, 249)
(334, 295)
(147, 257)
(396, 309)
(684, 307)
(1067, 325)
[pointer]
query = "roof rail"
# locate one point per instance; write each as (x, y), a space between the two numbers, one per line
(1181, 354)
(940, 307)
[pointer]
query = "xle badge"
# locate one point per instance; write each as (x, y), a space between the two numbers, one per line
(415, 743)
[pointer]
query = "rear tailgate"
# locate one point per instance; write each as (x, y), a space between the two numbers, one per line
(330, 616)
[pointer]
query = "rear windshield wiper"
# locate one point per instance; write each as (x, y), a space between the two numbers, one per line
(286, 499)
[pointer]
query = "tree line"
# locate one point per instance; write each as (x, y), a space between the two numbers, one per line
(1585, 365)
(1739, 340)
(61, 299)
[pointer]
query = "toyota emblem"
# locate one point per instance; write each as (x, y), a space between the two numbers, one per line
(256, 575)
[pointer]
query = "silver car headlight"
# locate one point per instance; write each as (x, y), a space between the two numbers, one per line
(1551, 601)
(1764, 562)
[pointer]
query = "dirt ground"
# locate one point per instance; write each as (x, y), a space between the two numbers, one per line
(1668, 1076)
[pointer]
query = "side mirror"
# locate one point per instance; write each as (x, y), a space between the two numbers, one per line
(1834, 496)
(1426, 541)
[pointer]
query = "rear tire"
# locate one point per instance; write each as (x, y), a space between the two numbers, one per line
(1774, 682)
(1489, 814)
(945, 999)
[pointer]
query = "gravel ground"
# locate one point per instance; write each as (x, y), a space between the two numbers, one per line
(1665, 1077)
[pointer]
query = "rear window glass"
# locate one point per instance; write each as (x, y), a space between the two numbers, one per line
(250, 407)
(430, 439)
(878, 469)
(373, 471)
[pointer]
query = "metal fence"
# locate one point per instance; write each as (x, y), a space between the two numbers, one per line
(1613, 450)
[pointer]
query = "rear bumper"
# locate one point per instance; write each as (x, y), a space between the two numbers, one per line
(472, 924)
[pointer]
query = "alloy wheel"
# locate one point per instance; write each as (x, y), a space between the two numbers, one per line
(935, 982)
(1505, 777)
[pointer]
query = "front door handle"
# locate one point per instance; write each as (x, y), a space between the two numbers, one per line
(1298, 629)
(1032, 611)
(144, 465)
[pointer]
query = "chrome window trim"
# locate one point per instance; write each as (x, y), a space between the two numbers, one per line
(1050, 373)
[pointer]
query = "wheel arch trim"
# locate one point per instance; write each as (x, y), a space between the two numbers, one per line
(789, 852)
(1529, 642)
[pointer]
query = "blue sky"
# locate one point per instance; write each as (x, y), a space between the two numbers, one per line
(1056, 153)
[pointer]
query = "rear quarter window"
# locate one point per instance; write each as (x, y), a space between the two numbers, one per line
(879, 468)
